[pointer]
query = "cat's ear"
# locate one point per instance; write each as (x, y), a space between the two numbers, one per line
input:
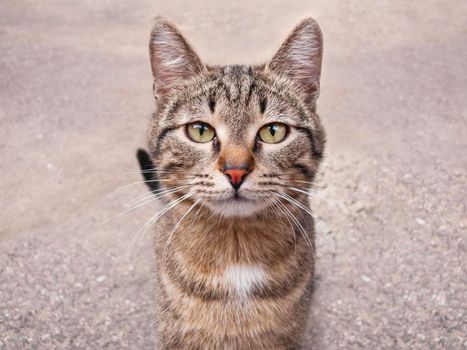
(173, 61)
(299, 58)
(147, 169)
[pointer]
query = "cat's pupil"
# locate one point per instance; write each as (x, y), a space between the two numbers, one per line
(201, 130)
(272, 130)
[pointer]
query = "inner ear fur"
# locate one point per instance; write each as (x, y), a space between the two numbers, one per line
(173, 60)
(299, 58)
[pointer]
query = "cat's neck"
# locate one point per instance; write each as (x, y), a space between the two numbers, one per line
(218, 241)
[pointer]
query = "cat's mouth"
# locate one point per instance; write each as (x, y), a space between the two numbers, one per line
(236, 205)
(235, 198)
(238, 197)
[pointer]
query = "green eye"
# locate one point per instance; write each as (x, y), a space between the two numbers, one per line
(200, 132)
(273, 133)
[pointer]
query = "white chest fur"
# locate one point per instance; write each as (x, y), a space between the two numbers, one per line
(243, 278)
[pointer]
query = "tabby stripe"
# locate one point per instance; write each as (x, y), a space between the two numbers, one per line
(309, 134)
(212, 102)
(196, 289)
(274, 290)
(226, 90)
(250, 92)
(304, 170)
(162, 135)
(284, 95)
(263, 104)
(172, 166)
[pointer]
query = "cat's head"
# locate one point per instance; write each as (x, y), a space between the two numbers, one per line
(234, 138)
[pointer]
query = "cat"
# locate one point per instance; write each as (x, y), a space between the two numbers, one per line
(232, 153)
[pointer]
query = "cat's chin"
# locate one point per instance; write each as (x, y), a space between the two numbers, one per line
(236, 207)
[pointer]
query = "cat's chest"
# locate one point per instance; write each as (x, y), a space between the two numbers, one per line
(241, 280)
(237, 299)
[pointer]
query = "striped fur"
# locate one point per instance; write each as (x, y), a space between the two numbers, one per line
(235, 273)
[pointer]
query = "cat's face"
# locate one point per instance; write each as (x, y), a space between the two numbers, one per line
(236, 138)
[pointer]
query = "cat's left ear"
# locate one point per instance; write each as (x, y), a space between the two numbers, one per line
(299, 58)
(173, 61)
(147, 169)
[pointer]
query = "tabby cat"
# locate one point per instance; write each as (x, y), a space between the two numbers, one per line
(233, 151)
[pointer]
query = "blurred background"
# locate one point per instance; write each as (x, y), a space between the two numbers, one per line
(75, 101)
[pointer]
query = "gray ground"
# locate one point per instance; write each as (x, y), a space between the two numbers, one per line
(75, 98)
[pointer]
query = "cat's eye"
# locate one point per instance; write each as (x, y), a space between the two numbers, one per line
(273, 133)
(200, 132)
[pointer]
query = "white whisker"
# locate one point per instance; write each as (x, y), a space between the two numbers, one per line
(157, 194)
(114, 192)
(169, 239)
(299, 190)
(275, 207)
(161, 212)
(299, 204)
(302, 230)
(135, 206)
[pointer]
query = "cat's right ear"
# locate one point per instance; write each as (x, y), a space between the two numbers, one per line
(173, 61)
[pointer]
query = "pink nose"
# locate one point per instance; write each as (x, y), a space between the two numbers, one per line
(236, 176)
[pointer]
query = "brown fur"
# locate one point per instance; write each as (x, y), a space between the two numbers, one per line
(235, 273)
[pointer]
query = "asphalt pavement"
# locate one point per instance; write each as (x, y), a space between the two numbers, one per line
(390, 202)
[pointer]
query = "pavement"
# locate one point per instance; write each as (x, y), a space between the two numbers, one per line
(75, 100)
